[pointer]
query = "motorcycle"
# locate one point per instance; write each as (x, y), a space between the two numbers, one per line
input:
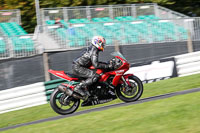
(110, 86)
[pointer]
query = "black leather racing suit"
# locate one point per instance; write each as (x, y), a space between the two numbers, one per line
(81, 66)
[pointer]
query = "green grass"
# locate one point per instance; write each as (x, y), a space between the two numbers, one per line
(152, 89)
(178, 114)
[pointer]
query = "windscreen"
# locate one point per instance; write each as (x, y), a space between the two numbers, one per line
(118, 54)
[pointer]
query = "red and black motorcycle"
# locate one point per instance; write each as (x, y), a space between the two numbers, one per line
(112, 84)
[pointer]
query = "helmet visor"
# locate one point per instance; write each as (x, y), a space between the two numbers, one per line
(102, 46)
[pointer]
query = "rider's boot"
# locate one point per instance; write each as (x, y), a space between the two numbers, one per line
(84, 93)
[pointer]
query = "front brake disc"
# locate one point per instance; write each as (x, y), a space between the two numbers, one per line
(130, 90)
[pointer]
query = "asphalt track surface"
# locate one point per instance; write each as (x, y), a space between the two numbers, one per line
(164, 96)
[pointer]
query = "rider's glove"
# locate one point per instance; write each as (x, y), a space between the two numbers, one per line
(111, 65)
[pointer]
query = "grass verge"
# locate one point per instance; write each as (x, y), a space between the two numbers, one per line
(173, 115)
(152, 89)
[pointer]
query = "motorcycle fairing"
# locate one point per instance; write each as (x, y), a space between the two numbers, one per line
(125, 63)
(118, 74)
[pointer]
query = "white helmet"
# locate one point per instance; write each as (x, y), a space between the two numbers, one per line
(99, 42)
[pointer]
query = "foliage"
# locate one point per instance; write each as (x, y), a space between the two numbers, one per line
(188, 7)
(27, 7)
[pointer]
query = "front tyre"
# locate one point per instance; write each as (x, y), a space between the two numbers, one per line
(63, 104)
(130, 91)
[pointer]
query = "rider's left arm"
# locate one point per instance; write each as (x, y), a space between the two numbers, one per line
(96, 63)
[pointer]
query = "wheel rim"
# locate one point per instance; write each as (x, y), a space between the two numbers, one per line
(64, 103)
(131, 90)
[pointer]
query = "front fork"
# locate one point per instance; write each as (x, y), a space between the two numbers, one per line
(125, 79)
(128, 88)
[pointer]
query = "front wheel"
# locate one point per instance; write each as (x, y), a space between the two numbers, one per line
(62, 103)
(131, 90)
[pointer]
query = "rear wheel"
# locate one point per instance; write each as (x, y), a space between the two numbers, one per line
(62, 103)
(132, 91)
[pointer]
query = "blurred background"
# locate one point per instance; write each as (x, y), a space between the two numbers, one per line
(48, 34)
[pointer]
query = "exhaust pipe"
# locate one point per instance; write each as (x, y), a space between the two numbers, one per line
(68, 91)
(65, 89)
(77, 96)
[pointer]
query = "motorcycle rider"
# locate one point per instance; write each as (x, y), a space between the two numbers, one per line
(89, 58)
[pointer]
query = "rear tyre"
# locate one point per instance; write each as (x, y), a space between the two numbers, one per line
(63, 104)
(132, 92)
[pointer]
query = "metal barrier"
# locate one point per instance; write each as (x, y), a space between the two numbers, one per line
(22, 97)
(54, 37)
(4, 47)
(112, 11)
(165, 13)
(10, 16)
(19, 46)
(188, 64)
(59, 37)
(127, 32)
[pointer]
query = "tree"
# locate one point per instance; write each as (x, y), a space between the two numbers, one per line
(188, 7)
(27, 8)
